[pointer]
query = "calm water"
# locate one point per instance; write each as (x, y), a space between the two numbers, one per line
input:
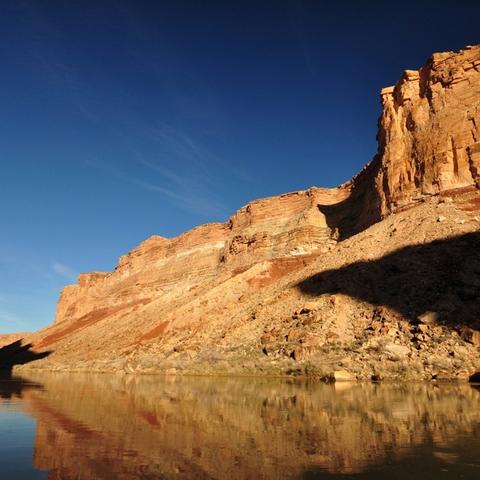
(61, 426)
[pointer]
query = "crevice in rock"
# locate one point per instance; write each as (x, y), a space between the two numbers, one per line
(454, 156)
(474, 129)
(472, 166)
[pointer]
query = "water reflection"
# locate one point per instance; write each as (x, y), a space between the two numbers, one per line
(109, 427)
(11, 387)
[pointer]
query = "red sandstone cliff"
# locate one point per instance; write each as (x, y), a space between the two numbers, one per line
(429, 129)
(233, 284)
(289, 224)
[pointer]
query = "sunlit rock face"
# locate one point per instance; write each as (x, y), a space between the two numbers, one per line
(428, 141)
(8, 338)
(232, 292)
(289, 224)
(429, 130)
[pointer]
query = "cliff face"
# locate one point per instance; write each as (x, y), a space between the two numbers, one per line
(429, 142)
(224, 283)
(290, 224)
(429, 137)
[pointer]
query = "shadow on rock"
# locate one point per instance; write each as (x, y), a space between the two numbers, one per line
(441, 278)
(18, 354)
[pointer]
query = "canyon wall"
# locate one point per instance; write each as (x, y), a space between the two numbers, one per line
(289, 224)
(429, 142)
(238, 284)
(429, 130)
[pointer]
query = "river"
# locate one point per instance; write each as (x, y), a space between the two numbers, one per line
(99, 426)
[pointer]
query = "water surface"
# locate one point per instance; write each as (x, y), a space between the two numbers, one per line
(74, 426)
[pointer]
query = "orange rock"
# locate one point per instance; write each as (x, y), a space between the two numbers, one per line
(226, 282)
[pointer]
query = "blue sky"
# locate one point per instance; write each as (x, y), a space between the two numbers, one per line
(120, 120)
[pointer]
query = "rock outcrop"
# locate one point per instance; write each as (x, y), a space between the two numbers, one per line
(428, 141)
(289, 224)
(429, 131)
(230, 297)
(8, 338)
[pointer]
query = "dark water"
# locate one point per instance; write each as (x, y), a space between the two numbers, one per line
(61, 426)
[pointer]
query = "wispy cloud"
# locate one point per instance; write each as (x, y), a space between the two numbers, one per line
(297, 23)
(64, 271)
(12, 320)
(176, 151)
(183, 146)
(181, 168)
(7, 317)
(184, 191)
(191, 201)
(180, 146)
(21, 263)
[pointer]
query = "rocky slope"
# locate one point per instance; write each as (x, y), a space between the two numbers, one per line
(378, 277)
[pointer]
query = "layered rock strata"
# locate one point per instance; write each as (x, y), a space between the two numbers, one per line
(429, 131)
(233, 287)
(287, 225)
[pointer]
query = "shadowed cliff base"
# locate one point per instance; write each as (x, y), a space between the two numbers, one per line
(17, 354)
(440, 279)
(360, 209)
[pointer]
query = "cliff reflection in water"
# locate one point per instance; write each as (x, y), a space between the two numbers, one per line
(106, 426)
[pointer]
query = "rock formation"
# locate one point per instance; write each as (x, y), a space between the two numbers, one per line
(290, 224)
(429, 137)
(238, 296)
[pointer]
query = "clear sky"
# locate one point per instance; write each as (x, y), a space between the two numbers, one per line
(123, 119)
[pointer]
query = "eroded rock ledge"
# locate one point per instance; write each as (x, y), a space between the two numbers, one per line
(212, 294)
